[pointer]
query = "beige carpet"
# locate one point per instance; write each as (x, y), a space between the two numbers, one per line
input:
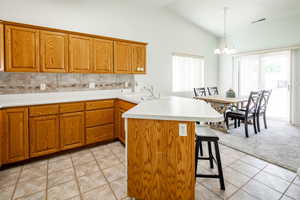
(279, 144)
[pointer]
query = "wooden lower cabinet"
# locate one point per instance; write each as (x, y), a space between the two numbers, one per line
(121, 107)
(99, 133)
(99, 117)
(71, 130)
(44, 135)
(15, 135)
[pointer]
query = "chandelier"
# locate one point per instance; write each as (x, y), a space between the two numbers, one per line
(224, 47)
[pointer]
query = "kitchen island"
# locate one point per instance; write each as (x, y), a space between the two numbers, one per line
(160, 138)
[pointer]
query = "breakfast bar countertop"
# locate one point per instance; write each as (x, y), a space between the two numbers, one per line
(174, 108)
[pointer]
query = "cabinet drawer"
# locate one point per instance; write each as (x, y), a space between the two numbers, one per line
(99, 133)
(71, 107)
(126, 105)
(43, 110)
(92, 105)
(99, 117)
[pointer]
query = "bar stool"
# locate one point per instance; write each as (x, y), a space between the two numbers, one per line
(205, 134)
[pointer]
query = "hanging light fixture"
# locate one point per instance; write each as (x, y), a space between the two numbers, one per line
(224, 48)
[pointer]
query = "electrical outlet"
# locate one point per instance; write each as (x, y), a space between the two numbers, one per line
(182, 129)
(126, 84)
(92, 85)
(43, 86)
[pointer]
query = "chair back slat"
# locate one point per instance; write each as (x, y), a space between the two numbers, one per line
(263, 102)
(199, 92)
(252, 104)
(213, 91)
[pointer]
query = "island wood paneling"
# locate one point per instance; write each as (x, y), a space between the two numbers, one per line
(161, 164)
(22, 49)
(1, 47)
(54, 52)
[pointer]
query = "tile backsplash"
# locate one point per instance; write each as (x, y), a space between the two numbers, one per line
(24, 82)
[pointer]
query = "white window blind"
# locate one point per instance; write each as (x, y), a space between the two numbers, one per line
(188, 72)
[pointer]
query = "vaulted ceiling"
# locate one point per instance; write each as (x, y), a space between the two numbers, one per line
(208, 14)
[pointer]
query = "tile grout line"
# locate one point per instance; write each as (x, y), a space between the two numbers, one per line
(252, 178)
(76, 179)
(291, 183)
(108, 183)
(16, 183)
(46, 193)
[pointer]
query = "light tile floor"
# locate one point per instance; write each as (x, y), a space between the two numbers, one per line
(99, 173)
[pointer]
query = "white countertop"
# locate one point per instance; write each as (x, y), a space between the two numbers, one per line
(29, 99)
(174, 108)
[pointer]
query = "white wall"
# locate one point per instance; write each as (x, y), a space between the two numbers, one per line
(165, 32)
(266, 35)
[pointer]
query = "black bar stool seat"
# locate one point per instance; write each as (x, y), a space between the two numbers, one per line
(205, 134)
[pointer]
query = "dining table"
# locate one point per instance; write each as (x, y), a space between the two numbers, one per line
(222, 104)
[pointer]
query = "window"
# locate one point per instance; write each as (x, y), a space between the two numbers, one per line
(188, 72)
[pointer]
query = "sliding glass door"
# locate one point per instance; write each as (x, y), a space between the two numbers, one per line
(270, 72)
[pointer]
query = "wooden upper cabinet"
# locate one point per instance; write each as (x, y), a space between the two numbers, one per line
(80, 54)
(54, 52)
(44, 135)
(21, 49)
(122, 57)
(1, 48)
(71, 130)
(138, 59)
(103, 56)
(15, 136)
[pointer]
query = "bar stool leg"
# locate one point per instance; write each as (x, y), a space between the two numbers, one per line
(210, 155)
(197, 154)
(220, 170)
(200, 147)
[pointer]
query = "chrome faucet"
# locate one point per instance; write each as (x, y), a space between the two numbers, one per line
(150, 90)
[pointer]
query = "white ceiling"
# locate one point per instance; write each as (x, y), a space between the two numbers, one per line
(208, 14)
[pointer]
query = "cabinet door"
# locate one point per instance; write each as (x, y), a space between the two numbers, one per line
(15, 137)
(1, 48)
(103, 56)
(80, 52)
(138, 59)
(71, 130)
(54, 52)
(44, 135)
(21, 49)
(123, 57)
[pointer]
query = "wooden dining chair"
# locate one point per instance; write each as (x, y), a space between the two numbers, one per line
(262, 108)
(212, 91)
(199, 92)
(246, 114)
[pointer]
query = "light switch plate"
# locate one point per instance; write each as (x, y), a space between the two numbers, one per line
(182, 129)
